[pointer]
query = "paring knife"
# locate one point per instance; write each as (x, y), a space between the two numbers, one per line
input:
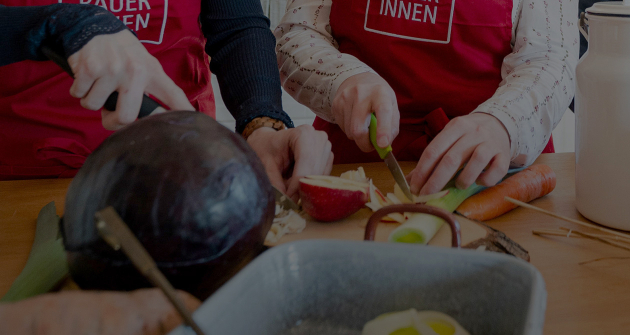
(284, 200)
(149, 106)
(391, 162)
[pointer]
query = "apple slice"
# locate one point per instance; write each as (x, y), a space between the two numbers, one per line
(328, 198)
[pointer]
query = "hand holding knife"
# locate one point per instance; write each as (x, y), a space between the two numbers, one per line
(389, 159)
(148, 107)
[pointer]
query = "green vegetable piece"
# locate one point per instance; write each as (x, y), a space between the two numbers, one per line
(405, 331)
(46, 266)
(382, 152)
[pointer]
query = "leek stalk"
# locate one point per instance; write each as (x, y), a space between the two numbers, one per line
(46, 266)
(420, 228)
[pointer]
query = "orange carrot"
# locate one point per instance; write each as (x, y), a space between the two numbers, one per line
(527, 185)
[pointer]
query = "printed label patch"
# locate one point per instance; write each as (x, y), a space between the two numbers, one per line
(420, 20)
(147, 18)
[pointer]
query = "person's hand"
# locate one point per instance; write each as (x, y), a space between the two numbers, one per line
(141, 312)
(478, 140)
(358, 97)
(291, 154)
(119, 62)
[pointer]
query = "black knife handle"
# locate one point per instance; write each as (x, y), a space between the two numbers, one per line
(148, 104)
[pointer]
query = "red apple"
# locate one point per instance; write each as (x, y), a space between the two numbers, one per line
(328, 198)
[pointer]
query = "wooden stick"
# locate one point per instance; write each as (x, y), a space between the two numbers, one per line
(553, 232)
(590, 225)
(558, 232)
(587, 235)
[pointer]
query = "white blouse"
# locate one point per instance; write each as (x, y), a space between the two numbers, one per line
(538, 76)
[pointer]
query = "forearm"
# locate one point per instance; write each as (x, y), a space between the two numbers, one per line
(66, 28)
(538, 78)
(311, 66)
(240, 45)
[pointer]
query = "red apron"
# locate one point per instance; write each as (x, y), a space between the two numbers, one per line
(45, 133)
(442, 58)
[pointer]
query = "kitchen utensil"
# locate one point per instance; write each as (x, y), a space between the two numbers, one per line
(284, 201)
(334, 287)
(116, 233)
(602, 116)
(388, 157)
(148, 106)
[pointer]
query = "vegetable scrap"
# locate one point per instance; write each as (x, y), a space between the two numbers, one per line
(415, 227)
(413, 322)
(285, 222)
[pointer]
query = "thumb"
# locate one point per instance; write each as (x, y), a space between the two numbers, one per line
(275, 177)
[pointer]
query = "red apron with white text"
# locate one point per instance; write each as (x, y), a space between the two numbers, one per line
(442, 58)
(45, 133)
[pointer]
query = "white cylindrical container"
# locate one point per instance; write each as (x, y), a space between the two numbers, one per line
(602, 110)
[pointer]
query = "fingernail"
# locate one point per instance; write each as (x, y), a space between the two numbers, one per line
(382, 141)
(460, 185)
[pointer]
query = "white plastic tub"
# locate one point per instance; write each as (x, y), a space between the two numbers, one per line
(334, 287)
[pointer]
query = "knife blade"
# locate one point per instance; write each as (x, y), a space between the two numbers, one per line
(391, 162)
(284, 201)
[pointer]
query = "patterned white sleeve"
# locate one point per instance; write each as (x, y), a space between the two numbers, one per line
(311, 66)
(538, 76)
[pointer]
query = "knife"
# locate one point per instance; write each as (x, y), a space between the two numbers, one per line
(118, 235)
(391, 162)
(284, 201)
(148, 107)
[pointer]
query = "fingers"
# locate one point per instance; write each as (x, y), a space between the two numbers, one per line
(128, 105)
(477, 140)
(495, 172)
(312, 153)
(165, 89)
(359, 96)
(360, 127)
(431, 156)
(119, 62)
(98, 93)
(384, 129)
(459, 153)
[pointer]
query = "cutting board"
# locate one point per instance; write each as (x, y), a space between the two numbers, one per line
(474, 234)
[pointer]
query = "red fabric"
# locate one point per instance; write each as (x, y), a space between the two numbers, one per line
(45, 133)
(442, 60)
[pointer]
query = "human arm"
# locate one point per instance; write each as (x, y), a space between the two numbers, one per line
(141, 312)
(103, 55)
(241, 47)
(537, 87)
(338, 87)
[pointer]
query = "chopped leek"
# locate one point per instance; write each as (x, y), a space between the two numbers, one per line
(420, 228)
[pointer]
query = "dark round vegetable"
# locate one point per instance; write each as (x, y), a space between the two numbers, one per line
(193, 192)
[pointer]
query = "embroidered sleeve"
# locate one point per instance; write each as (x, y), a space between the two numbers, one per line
(63, 27)
(538, 77)
(311, 66)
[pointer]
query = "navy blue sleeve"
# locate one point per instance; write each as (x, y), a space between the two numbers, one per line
(242, 51)
(65, 28)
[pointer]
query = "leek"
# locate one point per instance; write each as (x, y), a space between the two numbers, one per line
(46, 266)
(420, 228)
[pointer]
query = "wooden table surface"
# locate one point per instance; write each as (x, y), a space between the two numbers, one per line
(582, 299)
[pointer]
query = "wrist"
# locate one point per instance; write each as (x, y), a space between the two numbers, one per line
(262, 124)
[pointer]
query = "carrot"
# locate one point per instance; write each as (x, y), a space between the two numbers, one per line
(527, 185)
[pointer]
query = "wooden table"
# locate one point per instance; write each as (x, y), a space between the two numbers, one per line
(582, 299)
